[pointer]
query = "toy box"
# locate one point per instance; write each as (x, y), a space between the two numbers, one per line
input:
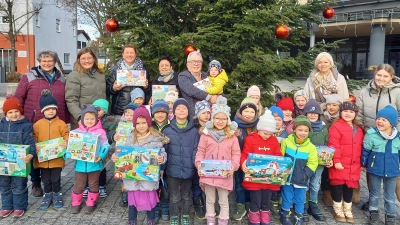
(137, 163)
(268, 169)
(203, 84)
(50, 149)
(11, 163)
(83, 146)
(123, 130)
(131, 77)
(215, 168)
(325, 154)
(159, 91)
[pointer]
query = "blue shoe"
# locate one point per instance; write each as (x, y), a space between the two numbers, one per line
(57, 200)
(85, 192)
(103, 192)
(46, 201)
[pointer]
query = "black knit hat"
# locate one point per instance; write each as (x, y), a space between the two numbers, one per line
(47, 100)
(347, 105)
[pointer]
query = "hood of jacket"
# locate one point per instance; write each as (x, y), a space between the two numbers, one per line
(95, 128)
(188, 127)
(222, 76)
(39, 73)
(373, 88)
(20, 121)
(334, 71)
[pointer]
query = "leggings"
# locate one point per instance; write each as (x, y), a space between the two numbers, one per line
(337, 191)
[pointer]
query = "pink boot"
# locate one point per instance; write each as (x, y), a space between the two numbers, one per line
(91, 202)
(254, 218)
(76, 202)
(265, 217)
(210, 219)
(223, 221)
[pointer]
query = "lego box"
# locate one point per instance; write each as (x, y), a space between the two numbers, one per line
(83, 146)
(131, 77)
(325, 154)
(11, 163)
(137, 163)
(50, 149)
(268, 169)
(123, 130)
(203, 84)
(159, 91)
(215, 168)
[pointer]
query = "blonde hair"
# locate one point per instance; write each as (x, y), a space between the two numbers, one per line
(354, 121)
(77, 65)
(260, 109)
(386, 67)
(151, 130)
(323, 55)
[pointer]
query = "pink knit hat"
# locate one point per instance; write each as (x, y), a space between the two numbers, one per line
(141, 111)
(254, 90)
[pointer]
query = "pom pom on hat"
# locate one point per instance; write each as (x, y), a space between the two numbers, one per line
(47, 100)
(141, 111)
(254, 91)
(12, 103)
(267, 122)
(389, 113)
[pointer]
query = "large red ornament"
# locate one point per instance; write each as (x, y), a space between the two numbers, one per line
(189, 49)
(282, 31)
(111, 25)
(352, 98)
(328, 13)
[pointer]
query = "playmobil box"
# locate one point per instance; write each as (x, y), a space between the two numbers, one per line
(83, 146)
(215, 168)
(325, 154)
(11, 163)
(159, 91)
(137, 163)
(50, 149)
(131, 77)
(268, 169)
(203, 84)
(123, 130)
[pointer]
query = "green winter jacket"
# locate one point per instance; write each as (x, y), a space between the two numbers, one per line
(319, 137)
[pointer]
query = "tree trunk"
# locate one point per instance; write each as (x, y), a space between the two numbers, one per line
(11, 36)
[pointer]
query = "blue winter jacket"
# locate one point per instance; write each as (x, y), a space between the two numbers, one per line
(18, 132)
(181, 150)
(381, 156)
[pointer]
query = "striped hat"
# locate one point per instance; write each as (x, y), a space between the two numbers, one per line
(267, 122)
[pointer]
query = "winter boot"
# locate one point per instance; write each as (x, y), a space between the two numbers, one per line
(199, 208)
(265, 217)
(305, 215)
(223, 221)
(46, 201)
(374, 217)
(313, 210)
(365, 206)
(185, 220)
(76, 203)
(58, 200)
(132, 222)
(298, 219)
(174, 220)
(254, 218)
(240, 212)
(328, 198)
(151, 222)
(347, 208)
(285, 217)
(338, 211)
(124, 199)
(37, 190)
(210, 219)
(356, 195)
(390, 220)
(274, 205)
(91, 202)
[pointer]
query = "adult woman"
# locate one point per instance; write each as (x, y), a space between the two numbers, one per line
(325, 80)
(85, 84)
(121, 94)
(166, 75)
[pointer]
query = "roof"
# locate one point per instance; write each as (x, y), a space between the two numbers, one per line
(84, 34)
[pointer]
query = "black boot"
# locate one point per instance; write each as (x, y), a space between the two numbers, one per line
(298, 219)
(199, 208)
(305, 215)
(365, 207)
(390, 220)
(124, 199)
(374, 217)
(285, 217)
(313, 210)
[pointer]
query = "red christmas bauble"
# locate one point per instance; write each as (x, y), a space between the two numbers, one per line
(111, 25)
(328, 13)
(352, 98)
(282, 31)
(189, 49)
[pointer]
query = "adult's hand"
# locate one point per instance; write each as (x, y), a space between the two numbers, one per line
(147, 84)
(213, 99)
(117, 87)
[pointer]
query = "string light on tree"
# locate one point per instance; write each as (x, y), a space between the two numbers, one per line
(282, 31)
(189, 49)
(111, 25)
(328, 13)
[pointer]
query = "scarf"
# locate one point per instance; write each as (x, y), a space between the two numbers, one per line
(279, 132)
(316, 126)
(49, 76)
(298, 111)
(329, 117)
(137, 65)
(142, 139)
(324, 85)
(165, 77)
(217, 135)
(389, 137)
(245, 123)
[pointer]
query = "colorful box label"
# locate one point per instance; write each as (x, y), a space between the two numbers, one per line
(123, 130)
(83, 146)
(203, 84)
(50, 149)
(11, 163)
(215, 168)
(131, 77)
(159, 91)
(325, 154)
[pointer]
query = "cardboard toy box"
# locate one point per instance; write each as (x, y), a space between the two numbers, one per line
(215, 168)
(268, 169)
(50, 149)
(159, 91)
(123, 130)
(203, 84)
(11, 163)
(83, 146)
(325, 154)
(131, 77)
(137, 163)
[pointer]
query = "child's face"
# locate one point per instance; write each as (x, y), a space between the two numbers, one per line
(214, 72)
(141, 125)
(13, 115)
(129, 115)
(205, 116)
(101, 113)
(89, 120)
(249, 113)
(265, 134)
(256, 98)
(313, 117)
(279, 122)
(348, 115)
(138, 101)
(171, 107)
(220, 121)
(301, 132)
(287, 113)
(300, 101)
(383, 124)
(181, 112)
(160, 117)
(332, 108)
(50, 112)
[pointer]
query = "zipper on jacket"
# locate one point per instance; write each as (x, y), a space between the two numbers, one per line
(48, 162)
(377, 103)
(294, 164)
(373, 161)
(8, 133)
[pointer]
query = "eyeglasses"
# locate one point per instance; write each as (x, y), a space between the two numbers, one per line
(195, 62)
(50, 61)
(86, 59)
(221, 119)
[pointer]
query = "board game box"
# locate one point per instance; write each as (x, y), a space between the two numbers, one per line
(325, 154)
(83, 146)
(50, 149)
(11, 163)
(131, 77)
(159, 91)
(215, 168)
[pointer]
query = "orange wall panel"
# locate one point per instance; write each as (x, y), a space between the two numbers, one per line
(22, 45)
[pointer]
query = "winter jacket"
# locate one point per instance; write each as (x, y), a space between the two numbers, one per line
(181, 150)
(381, 156)
(30, 88)
(109, 124)
(245, 129)
(189, 92)
(372, 99)
(123, 97)
(228, 149)
(173, 81)
(254, 143)
(162, 128)
(304, 157)
(83, 89)
(319, 137)
(44, 130)
(24, 129)
(217, 83)
(347, 142)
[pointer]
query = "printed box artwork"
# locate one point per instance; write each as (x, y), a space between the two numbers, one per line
(83, 146)
(137, 163)
(123, 130)
(325, 154)
(131, 77)
(215, 168)
(50, 149)
(268, 169)
(203, 84)
(11, 163)
(159, 91)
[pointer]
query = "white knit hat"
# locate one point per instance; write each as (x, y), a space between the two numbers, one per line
(267, 122)
(253, 90)
(221, 107)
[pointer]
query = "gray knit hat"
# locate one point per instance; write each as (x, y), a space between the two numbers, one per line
(312, 106)
(267, 122)
(333, 99)
(89, 109)
(221, 107)
(201, 107)
(216, 64)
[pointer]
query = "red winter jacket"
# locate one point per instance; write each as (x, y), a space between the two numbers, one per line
(254, 143)
(347, 142)
(29, 91)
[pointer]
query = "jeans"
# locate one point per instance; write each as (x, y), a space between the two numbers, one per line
(389, 187)
(35, 175)
(180, 190)
(325, 186)
(14, 193)
(242, 195)
(51, 178)
(292, 195)
(132, 213)
(260, 200)
(314, 182)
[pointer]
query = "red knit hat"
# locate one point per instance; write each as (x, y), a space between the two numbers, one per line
(284, 103)
(12, 103)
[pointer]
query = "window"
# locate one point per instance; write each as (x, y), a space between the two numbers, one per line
(58, 26)
(81, 44)
(37, 20)
(3, 19)
(66, 58)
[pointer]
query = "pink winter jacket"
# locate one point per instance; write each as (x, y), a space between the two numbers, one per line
(96, 129)
(228, 149)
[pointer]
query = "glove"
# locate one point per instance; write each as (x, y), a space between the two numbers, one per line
(104, 148)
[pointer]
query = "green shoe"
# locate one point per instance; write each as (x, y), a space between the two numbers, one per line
(174, 220)
(185, 220)
(240, 212)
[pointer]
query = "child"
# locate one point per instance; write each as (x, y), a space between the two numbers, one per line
(280, 133)
(217, 77)
(170, 98)
(260, 194)
(346, 136)
(255, 93)
(17, 130)
(247, 119)
(181, 150)
(202, 112)
(286, 104)
(142, 195)
(380, 156)
(299, 148)
(47, 128)
(218, 141)
(128, 112)
(300, 100)
(89, 171)
(137, 96)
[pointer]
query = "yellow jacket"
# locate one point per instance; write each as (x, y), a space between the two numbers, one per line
(217, 83)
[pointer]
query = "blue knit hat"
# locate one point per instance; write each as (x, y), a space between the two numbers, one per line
(201, 107)
(180, 101)
(312, 106)
(216, 64)
(160, 106)
(389, 113)
(132, 106)
(47, 101)
(136, 93)
(276, 111)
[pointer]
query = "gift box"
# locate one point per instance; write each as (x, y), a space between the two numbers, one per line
(131, 77)
(159, 91)
(137, 163)
(11, 163)
(123, 130)
(268, 169)
(325, 154)
(215, 168)
(83, 146)
(50, 149)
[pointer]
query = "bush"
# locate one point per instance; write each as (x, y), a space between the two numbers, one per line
(13, 77)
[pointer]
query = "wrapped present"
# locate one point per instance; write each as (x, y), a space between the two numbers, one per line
(83, 146)
(268, 169)
(159, 91)
(325, 154)
(123, 130)
(50, 149)
(131, 77)
(203, 84)
(215, 168)
(137, 163)
(11, 163)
